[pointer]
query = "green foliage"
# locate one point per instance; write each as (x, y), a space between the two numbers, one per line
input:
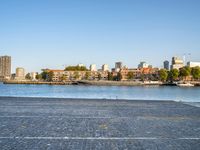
(119, 76)
(163, 75)
(76, 75)
(28, 76)
(44, 75)
(196, 72)
(50, 76)
(38, 76)
(63, 78)
(142, 77)
(153, 77)
(87, 75)
(76, 68)
(185, 71)
(173, 74)
(110, 76)
(99, 76)
(130, 75)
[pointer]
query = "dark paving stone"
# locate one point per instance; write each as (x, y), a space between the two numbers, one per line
(100, 144)
(41, 123)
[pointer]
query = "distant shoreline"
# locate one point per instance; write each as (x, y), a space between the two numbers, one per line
(117, 83)
(98, 83)
(84, 82)
(37, 82)
(95, 83)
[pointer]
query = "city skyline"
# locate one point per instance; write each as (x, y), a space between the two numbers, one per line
(175, 63)
(52, 34)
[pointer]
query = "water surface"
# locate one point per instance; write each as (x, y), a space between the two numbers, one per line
(189, 94)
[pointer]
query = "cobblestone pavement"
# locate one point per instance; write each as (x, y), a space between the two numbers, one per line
(51, 124)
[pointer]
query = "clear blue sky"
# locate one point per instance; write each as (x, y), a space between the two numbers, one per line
(52, 33)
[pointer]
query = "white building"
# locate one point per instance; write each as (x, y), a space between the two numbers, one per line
(177, 63)
(20, 73)
(143, 64)
(105, 67)
(177, 66)
(33, 75)
(193, 64)
(177, 60)
(93, 67)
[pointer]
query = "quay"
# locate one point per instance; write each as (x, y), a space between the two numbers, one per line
(99, 83)
(94, 124)
(85, 82)
(38, 82)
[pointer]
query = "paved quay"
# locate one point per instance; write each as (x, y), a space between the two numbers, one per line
(54, 124)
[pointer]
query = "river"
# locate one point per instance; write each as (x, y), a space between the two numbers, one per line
(188, 94)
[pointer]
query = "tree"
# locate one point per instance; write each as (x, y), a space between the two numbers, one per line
(76, 68)
(153, 77)
(195, 72)
(185, 71)
(50, 75)
(44, 75)
(76, 75)
(163, 75)
(63, 78)
(119, 76)
(173, 74)
(99, 76)
(87, 75)
(38, 76)
(28, 76)
(130, 75)
(142, 77)
(110, 76)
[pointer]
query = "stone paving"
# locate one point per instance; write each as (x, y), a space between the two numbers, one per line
(54, 124)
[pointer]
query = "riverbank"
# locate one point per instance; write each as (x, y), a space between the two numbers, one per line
(118, 83)
(37, 82)
(52, 123)
(85, 82)
(100, 83)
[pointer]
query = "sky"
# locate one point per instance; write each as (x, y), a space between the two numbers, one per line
(56, 33)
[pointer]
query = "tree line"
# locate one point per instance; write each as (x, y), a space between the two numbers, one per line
(181, 74)
(163, 75)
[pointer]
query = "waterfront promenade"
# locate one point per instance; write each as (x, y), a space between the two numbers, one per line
(47, 123)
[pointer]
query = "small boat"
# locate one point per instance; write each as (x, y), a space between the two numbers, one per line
(185, 84)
